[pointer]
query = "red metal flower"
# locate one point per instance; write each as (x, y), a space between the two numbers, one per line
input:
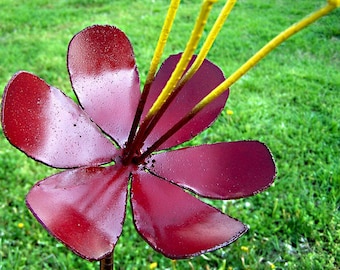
(84, 206)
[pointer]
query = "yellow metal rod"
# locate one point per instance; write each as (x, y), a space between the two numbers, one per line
(209, 41)
(332, 4)
(184, 61)
(162, 40)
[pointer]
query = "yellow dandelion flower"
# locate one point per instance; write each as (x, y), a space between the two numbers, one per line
(245, 249)
(230, 112)
(20, 225)
(271, 265)
(153, 265)
(230, 268)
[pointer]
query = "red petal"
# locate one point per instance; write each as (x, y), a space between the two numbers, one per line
(104, 76)
(83, 208)
(205, 80)
(177, 224)
(221, 171)
(48, 126)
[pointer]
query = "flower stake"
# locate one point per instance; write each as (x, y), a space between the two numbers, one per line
(114, 146)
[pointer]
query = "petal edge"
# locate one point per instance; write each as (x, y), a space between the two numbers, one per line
(229, 170)
(48, 126)
(104, 76)
(83, 208)
(177, 224)
(191, 93)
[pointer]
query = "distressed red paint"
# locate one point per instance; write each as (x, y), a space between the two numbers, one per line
(84, 205)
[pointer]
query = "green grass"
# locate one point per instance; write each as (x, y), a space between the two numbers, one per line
(290, 101)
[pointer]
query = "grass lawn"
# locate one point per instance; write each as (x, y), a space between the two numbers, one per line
(290, 101)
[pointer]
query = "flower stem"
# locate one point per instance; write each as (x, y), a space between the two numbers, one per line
(332, 4)
(184, 61)
(162, 40)
(175, 76)
(196, 64)
(170, 17)
(270, 46)
(107, 263)
(209, 41)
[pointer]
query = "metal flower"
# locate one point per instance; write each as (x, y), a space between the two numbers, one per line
(115, 144)
(84, 206)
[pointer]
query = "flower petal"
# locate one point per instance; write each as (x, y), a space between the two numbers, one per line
(221, 171)
(48, 126)
(83, 208)
(177, 224)
(205, 80)
(104, 76)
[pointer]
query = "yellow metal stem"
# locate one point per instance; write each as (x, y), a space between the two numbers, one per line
(332, 4)
(209, 41)
(184, 61)
(170, 17)
(335, 3)
(162, 40)
(148, 125)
